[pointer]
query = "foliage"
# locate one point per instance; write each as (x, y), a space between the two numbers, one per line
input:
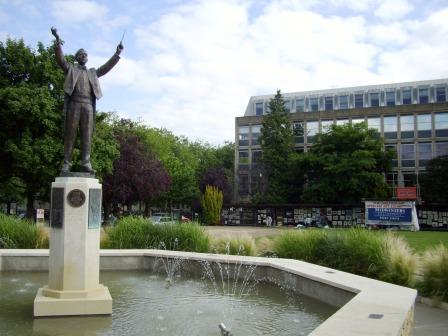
(434, 180)
(140, 233)
(218, 178)
(234, 246)
(277, 144)
(435, 273)
(212, 205)
(344, 165)
(20, 234)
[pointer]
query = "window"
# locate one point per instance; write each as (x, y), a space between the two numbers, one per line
(312, 128)
(441, 124)
(393, 148)
(243, 185)
(298, 129)
(440, 94)
(256, 130)
(357, 120)
(441, 148)
(390, 127)
(359, 100)
(407, 155)
(243, 136)
(243, 157)
(300, 105)
(287, 106)
(328, 103)
(256, 156)
(326, 124)
(424, 153)
(424, 125)
(407, 127)
(343, 102)
(407, 96)
(314, 104)
(258, 108)
(374, 123)
(409, 180)
(423, 96)
(390, 98)
(341, 121)
(374, 99)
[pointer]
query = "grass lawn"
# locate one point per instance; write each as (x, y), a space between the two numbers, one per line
(422, 240)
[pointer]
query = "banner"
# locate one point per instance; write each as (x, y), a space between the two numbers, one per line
(407, 193)
(389, 213)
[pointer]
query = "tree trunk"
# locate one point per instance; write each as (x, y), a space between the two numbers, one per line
(8, 207)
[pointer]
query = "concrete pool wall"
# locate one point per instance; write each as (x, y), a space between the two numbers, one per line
(367, 306)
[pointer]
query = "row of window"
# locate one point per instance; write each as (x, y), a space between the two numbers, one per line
(407, 153)
(392, 97)
(404, 126)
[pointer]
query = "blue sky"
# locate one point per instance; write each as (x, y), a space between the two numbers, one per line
(191, 66)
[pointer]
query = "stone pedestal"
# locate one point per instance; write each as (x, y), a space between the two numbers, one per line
(73, 286)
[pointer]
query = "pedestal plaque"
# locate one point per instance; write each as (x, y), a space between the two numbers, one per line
(73, 286)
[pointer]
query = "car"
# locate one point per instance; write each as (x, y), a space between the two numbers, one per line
(156, 219)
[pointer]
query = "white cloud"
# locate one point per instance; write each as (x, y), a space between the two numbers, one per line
(78, 11)
(393, 9)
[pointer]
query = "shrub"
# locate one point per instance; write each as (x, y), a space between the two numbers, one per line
(243, 245)
(16, 233)
(212, 204)
(435, 273)
(301, 245)
(140, 233)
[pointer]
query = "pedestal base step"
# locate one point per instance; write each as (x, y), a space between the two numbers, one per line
(98, 304)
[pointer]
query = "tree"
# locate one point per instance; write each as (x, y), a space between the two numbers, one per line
(278, 148)
(434, 180)
(212, 205)
(31, 100)
(344, 165)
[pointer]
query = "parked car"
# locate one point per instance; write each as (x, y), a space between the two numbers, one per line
(157, 219)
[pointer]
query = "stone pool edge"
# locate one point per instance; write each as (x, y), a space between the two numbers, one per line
(376, 308)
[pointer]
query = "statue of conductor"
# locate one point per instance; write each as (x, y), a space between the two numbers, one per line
(82, 89)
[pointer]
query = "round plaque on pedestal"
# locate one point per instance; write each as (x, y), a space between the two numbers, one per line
(76, 198)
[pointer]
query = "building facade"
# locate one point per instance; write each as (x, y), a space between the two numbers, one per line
(412, 118)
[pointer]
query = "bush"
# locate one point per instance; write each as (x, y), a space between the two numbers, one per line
(234, 246)
(435, 273)
(140, 233)
(301, 245)
(212, 205)
(16, 233)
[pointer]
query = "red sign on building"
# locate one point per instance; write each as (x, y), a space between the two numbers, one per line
(407, 193)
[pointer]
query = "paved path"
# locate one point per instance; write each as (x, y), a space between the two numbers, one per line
(429, 321)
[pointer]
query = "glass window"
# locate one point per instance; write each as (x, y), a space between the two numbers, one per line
(312, 128)
(441, 124)
(441, 148)
(243, 185)
(407, 155)
(243, 157)
(258, 108)
(390, 98)
(424, 153)
(440, 94)
(287, 106)
(407, 126)
(314, 104)
(300, 105)
(409, 180)
(328, 103)
(256, 156)
(325, 125)
(343, 102)
(390, 127)
(243, 136)
(424, 125)
(298, 129)
(357, 120)
(393, 147)
(407, 96)
(374, 123)
(374, 99)
(256, 130)
(341, 121)
(423, 96)
(359, 100)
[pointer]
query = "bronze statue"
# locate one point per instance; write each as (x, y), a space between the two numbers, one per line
(82, 89)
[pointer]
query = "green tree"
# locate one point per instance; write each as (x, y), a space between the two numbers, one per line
(278, 150)
(212, 204)
(344, 165)
(434, 180)
(31, 100)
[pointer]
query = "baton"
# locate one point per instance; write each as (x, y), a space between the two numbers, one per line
(122, 37)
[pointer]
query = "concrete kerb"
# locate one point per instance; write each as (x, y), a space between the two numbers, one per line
(367, 306)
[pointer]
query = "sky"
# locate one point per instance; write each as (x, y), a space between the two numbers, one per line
(191, 66)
